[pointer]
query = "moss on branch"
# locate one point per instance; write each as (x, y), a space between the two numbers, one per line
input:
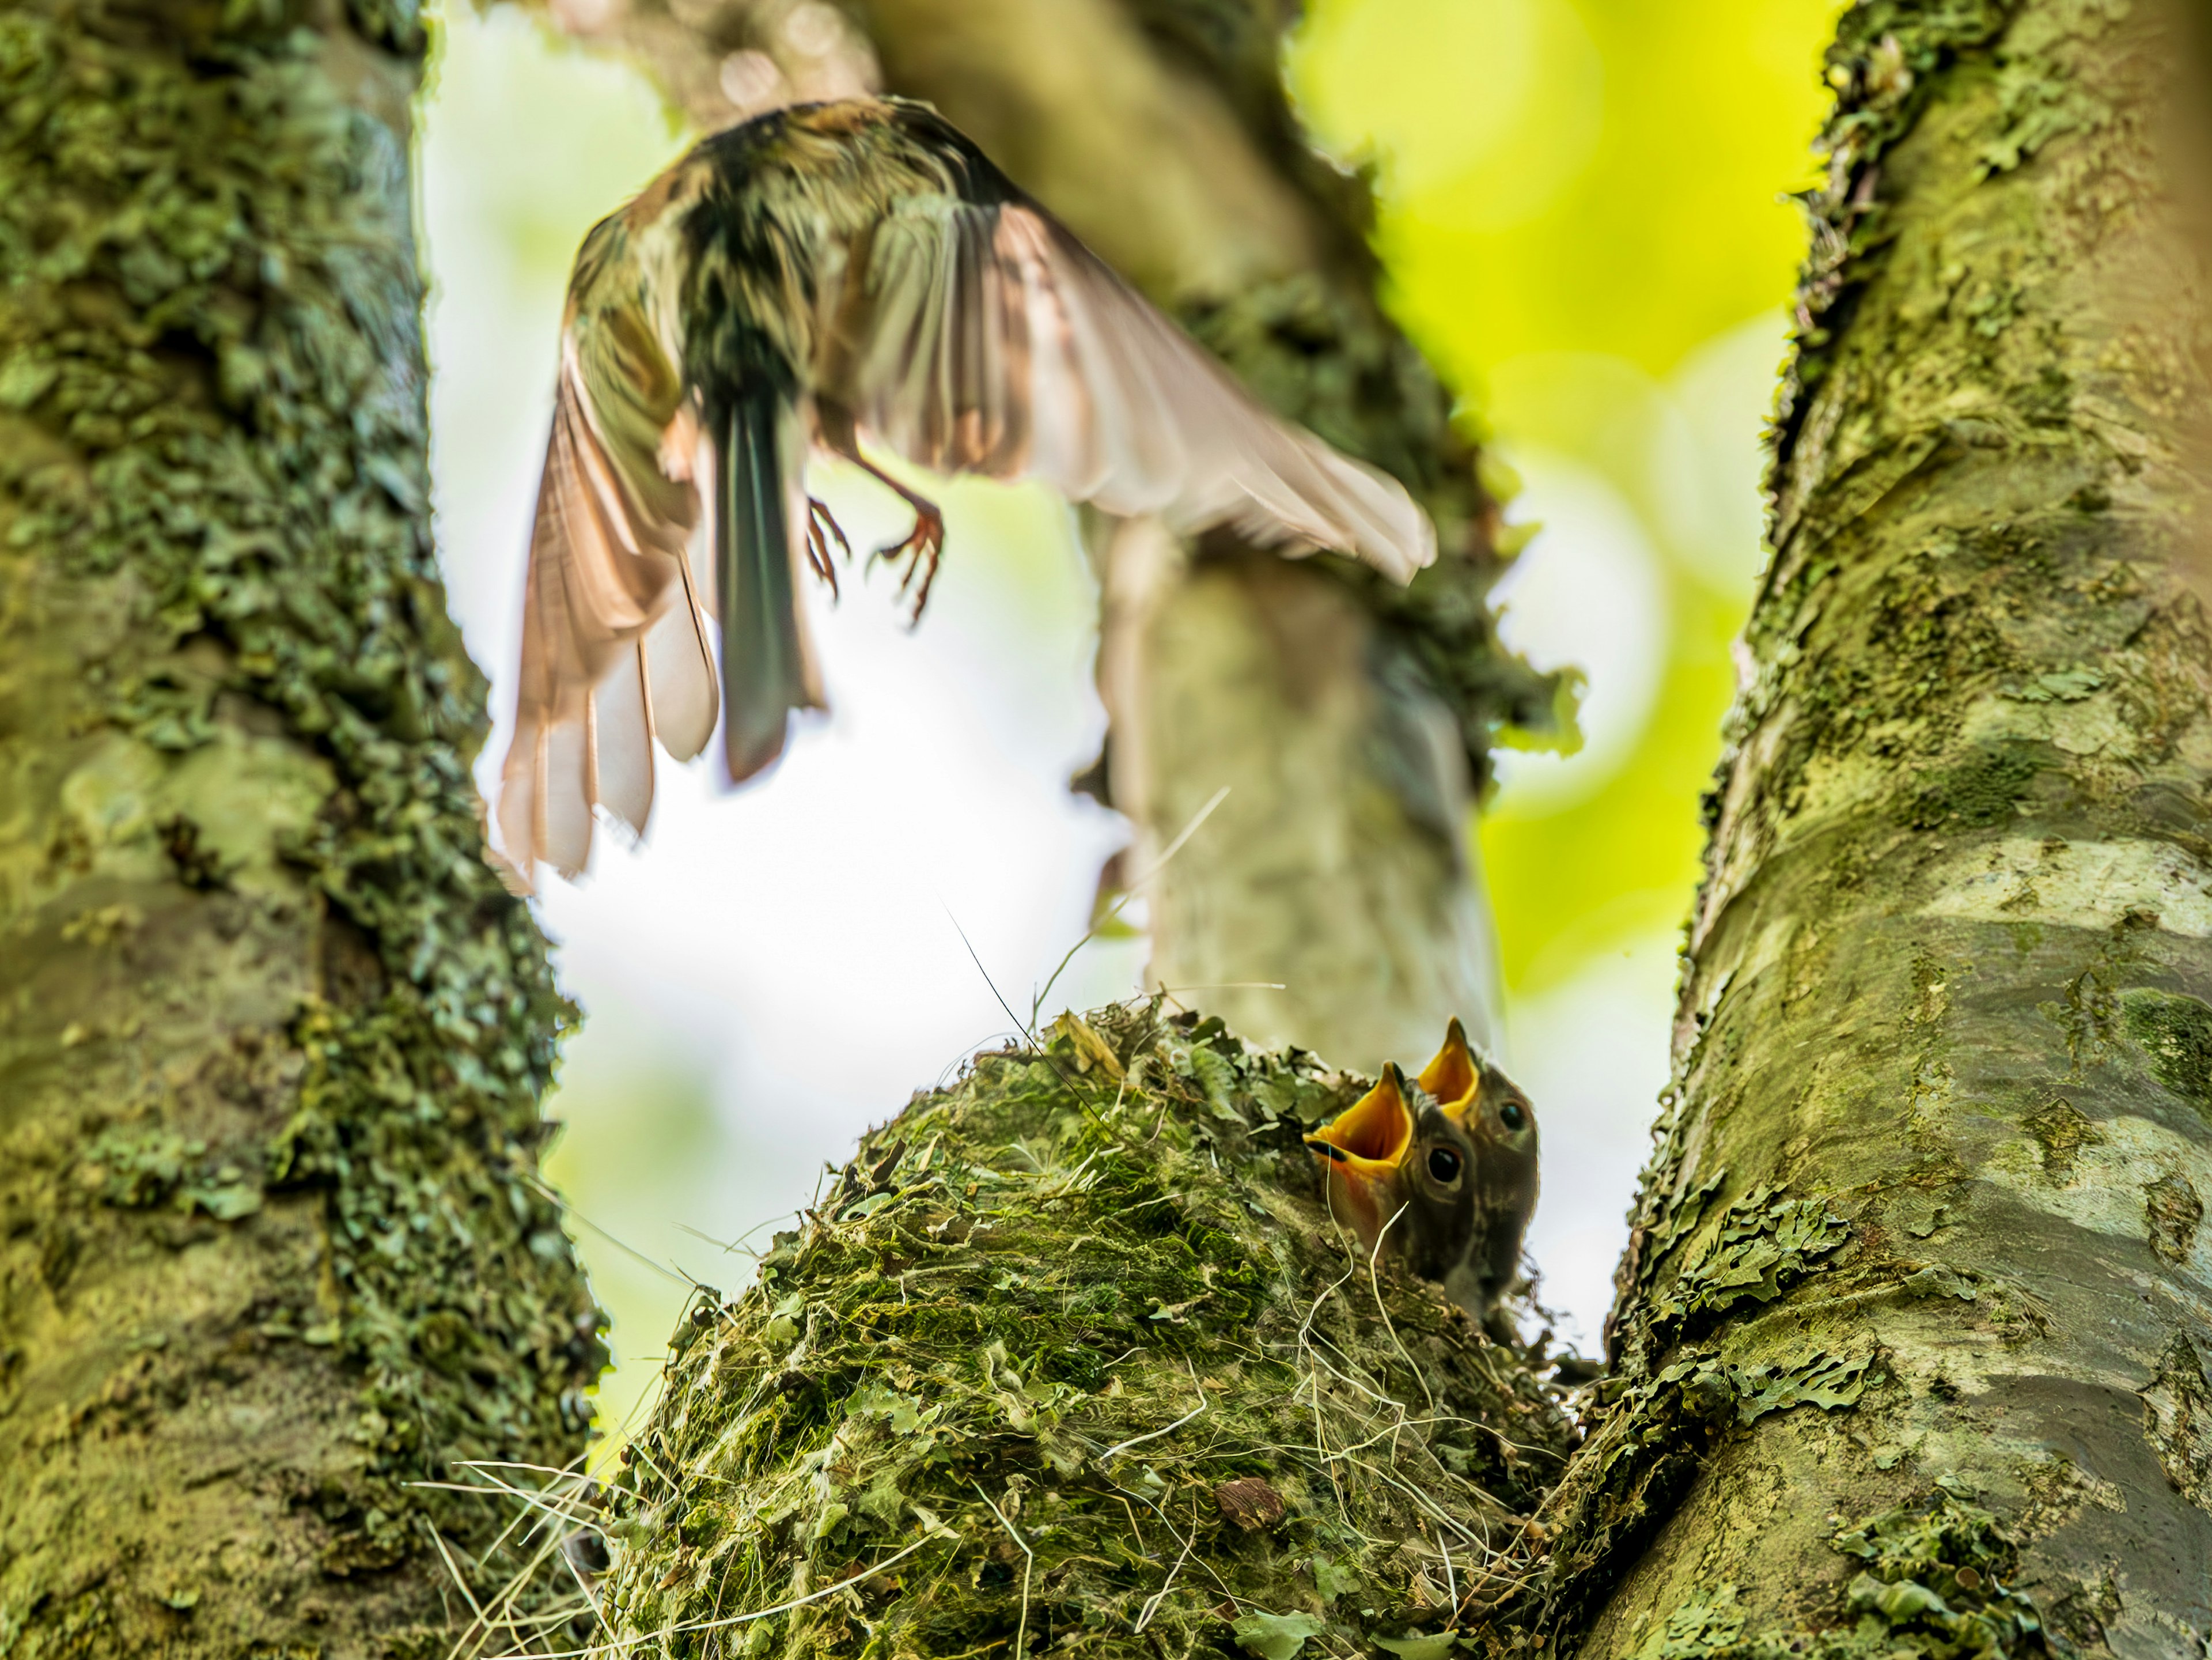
(275, 1038)
(1070, 1358)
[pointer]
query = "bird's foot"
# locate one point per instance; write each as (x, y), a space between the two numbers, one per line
(920, 551)
(821, 525)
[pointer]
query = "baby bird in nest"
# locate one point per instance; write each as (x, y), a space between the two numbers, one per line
(826, 276)
(1442, 1169)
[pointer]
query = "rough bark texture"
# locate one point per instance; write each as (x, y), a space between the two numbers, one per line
(1941, 1127)
(271, 1037)
(1350, 720)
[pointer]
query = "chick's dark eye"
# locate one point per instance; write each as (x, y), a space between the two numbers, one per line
(1512, 1116)
(1443, 1165)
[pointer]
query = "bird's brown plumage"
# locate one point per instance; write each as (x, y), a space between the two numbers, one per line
(835, 274)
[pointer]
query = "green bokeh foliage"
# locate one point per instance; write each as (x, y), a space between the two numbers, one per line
(1668, 228)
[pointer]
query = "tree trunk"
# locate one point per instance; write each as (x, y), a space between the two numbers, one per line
(1348, 720)
(272, 1246)
(1941, 1127)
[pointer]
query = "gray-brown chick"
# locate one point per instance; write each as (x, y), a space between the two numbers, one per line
(1442, 1169)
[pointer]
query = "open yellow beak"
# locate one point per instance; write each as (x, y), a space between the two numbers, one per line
(1364, 1147)
(1455, 1076)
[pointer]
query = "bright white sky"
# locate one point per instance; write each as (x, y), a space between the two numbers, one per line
(780, 965)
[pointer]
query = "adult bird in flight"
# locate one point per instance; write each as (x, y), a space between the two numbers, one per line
(824, 272)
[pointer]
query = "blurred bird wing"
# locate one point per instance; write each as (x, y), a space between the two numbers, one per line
(615, 653)
(983, 339)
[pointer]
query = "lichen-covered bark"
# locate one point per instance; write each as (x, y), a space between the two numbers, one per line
(1354, 734)
(1070, 1359)
(271, 1038)
(1940, 1131)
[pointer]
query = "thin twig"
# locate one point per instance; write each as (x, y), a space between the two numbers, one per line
(1231, 985)
(1116, 1451)
(1392, 1432)
(1374, 1281)
(461, 1581)
(739, 1243)
(567, 1209)
(1113, 910)
(485, 1623)
(1305, 1352)
(1421, 1500)
(1028, 1030)
(1153, 1605)
(598, 1649)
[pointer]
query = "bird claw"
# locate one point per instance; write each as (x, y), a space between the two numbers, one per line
(920, 551)
(821, 525)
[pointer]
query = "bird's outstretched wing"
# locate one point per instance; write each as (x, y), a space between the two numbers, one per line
(969, 333)
(614, 646)
(984, 338)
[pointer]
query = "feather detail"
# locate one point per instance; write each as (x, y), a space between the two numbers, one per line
(608, 577)
(679, 676)
(679, 649)
(769, 667)
(620, 725)
(818, 272)
(984, 339)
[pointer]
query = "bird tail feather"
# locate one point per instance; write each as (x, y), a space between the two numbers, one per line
(767, 662)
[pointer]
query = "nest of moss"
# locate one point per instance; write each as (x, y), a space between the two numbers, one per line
(1073, 1359)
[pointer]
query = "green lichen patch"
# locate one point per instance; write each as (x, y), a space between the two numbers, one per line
(2175, 1035)
(1983, 788)
(1679, 1224)
(1767, 1244)
(1820, 1379)
(1710, 1623)
(1664, 1217)
(2173, 1211)
(2179, 1403)
(162, 1167)
(1935, 1578)
(2061, 1130)
(1887, 63)
(1071, 1359)
(1932, 1581)
(1647, 1440)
